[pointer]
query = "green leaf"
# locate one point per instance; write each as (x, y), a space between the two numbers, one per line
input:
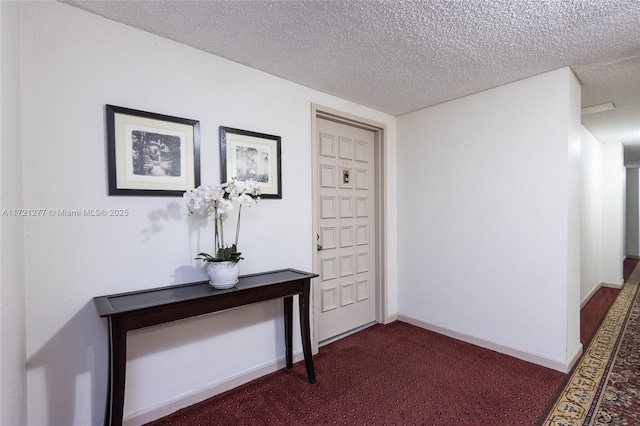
(228, 254)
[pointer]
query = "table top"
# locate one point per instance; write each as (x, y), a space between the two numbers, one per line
(121, 303)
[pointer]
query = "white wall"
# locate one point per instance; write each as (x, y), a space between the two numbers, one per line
(632, 213)
(574, 148)
(613, 206)
(488, 240)
(591, 223)
(73, 64)
(609, 195)
(13, 396)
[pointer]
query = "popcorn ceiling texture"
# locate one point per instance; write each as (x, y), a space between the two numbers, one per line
(401, 56)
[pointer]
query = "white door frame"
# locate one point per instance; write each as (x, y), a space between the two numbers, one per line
(380, 139)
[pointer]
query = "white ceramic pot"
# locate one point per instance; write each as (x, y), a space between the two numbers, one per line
(223, 274)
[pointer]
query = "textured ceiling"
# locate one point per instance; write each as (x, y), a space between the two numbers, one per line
(401, 56)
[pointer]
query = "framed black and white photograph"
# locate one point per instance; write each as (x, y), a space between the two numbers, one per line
(246, 155)
(151, 154)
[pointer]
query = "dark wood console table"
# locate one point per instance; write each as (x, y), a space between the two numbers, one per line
(134, 310)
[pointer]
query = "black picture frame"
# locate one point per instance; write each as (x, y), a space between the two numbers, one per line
(151, 154)
(237, 147)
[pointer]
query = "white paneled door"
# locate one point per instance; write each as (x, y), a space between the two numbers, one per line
(346, 234)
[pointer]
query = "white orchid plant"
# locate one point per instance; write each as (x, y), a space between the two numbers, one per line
(217, 201)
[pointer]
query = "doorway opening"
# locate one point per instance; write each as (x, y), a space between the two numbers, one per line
(348, 224)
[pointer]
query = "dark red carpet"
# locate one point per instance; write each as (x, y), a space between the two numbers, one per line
(628, 267)
(594, 311)
(398, 374)
(388, 374)
(604, 387)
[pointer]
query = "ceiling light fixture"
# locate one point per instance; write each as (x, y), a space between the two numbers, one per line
(598, 108)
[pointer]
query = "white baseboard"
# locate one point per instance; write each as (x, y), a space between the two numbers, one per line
(558, 365)
(589, 295)
(184, 400)
(576, 356)
(613, 285)
(595, 289)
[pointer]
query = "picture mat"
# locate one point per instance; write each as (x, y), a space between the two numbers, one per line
(124, 126)
(267, 147)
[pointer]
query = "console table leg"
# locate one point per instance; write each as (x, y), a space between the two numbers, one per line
(305, 325)
(117, 365)
(288, 330)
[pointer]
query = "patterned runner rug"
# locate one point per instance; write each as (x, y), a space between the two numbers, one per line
(604, 387)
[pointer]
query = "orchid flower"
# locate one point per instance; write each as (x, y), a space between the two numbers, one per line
(217, 201)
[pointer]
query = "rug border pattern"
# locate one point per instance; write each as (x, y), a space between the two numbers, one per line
(583, 391)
